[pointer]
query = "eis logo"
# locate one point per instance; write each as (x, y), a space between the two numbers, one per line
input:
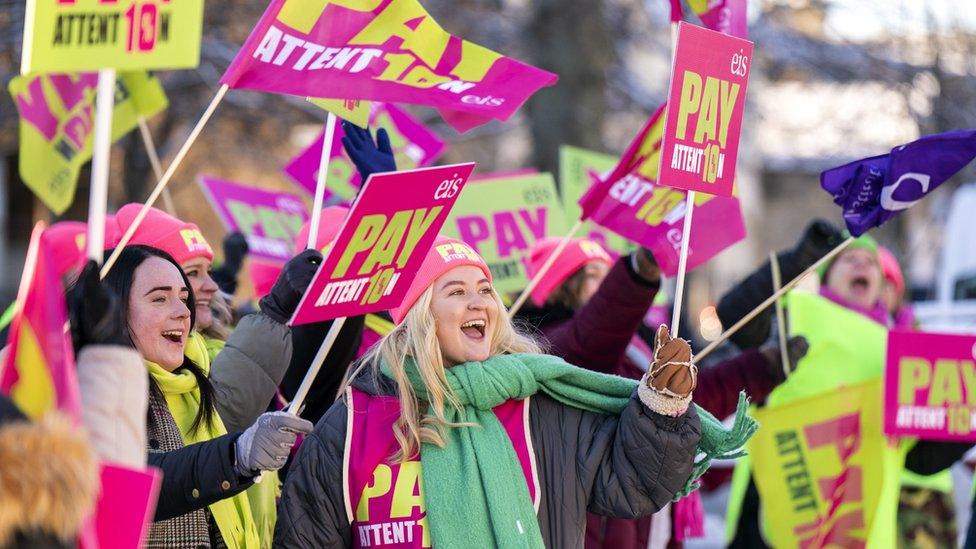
(740, 64)
(448, 188)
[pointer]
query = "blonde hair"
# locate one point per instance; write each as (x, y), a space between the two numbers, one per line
(424, 420)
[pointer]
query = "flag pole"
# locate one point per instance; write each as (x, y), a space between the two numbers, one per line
(320, 181)
(682, 263)
(784, 356)
(101, 158)
(545, 268)
(157, 166)
(161, 185)
(330, 338)
(769, 301)
(313, 231)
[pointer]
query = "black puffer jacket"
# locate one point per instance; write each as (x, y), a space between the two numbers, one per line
(627, 466)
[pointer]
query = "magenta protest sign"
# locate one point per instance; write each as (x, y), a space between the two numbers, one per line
(414, 146)
(269, 220)
(382, 242)
(707, 98)
(652, 216)
(930, 386)
(126, 505)
(380, 50)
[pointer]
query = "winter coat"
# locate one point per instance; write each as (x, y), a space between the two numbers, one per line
(597, 336)
(196, 476)
(114, 386)
(246, 373)
(48, 480)
(586, 462)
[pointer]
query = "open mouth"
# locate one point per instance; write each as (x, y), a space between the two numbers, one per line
(860, 284)
(475, 329)
(174, 336)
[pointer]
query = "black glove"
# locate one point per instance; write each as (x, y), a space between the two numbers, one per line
(235, 250)
(287, 291)
(369, 157)
(819, 238)
(93, 310)
(796, 348)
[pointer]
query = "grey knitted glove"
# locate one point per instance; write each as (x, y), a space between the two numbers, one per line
(265, 445)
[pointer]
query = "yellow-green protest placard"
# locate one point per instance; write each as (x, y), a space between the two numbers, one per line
(88, 35)
(57, 116)
(502, 217)
(826, 474)
(577, 170)
(350, 110)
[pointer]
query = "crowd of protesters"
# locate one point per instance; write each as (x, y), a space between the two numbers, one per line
(441, 422)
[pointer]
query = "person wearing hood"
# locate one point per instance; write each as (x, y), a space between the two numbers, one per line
(459, 433)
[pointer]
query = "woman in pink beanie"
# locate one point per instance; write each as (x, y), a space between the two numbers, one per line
(248, 362)
(589, 309)
(893, 291)
(190, 249)
(462, 434)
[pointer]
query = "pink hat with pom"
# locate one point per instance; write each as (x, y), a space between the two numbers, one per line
(67, 241)
(178, 238)
(577, 253)
(329, 224)
(444, 255)
(891, 269)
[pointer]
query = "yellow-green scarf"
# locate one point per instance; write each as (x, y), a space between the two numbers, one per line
(233, 515)
(263, 496)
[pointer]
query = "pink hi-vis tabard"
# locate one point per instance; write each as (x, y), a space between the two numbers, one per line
(385, 501)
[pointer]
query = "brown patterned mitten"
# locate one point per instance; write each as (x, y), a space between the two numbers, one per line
(671, 378)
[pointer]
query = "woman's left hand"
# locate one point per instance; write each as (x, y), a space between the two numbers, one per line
(288, 290)
(672, 371)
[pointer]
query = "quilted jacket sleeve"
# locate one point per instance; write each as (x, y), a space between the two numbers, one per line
(624, 466)
(194, 476)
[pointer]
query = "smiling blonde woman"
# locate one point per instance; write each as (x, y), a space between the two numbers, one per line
(460, 433)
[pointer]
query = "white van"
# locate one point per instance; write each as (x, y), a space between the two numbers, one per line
(954, 308)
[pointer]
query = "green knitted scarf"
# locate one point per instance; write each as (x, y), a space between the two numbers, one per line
(473, 486)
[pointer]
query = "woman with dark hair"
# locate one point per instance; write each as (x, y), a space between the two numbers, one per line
(157, 314)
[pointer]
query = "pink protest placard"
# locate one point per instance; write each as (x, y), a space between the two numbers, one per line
(270, 220)
(707, 98)
(930, 386)
(414, 146)
(382, 242)
(652, 216)
(389, 50)
(126, 505)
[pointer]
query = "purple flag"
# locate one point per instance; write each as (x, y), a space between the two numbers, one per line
(872, 190)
